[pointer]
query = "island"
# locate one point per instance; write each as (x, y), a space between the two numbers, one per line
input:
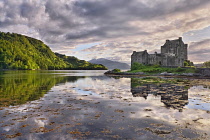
(172, 61)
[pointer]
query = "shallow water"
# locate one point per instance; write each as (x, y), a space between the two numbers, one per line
(89, 105)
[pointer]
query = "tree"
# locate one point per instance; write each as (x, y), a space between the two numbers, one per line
(22, 52)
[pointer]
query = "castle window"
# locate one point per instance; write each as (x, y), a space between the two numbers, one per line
(159, 62)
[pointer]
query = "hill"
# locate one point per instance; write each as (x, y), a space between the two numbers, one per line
(80, 64)
(110, 64)
(26, 53)
(200, 65)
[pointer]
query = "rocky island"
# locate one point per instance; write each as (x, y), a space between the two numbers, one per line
(172, 61)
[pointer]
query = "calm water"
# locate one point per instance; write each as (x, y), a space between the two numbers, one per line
(88, 105)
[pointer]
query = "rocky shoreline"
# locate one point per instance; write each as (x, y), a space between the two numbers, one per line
(164, 74)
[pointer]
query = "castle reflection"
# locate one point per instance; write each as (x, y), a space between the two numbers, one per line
(172, 95)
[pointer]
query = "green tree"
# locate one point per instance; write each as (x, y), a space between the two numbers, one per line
(136, 66)
(206, 64)
(22, 52)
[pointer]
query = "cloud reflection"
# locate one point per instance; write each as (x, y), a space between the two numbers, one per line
(105, 107)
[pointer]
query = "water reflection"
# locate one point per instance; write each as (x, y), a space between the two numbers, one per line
(19, 87)
(172, 95)
(99, 107)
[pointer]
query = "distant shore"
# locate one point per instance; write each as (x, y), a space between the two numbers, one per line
(202, 73)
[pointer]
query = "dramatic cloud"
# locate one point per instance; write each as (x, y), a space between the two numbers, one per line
(200, 51)
(64, 24)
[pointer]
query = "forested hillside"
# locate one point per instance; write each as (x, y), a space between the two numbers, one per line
(110, 64)
(26, 53)
(81, 64)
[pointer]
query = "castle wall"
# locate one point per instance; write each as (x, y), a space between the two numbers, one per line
(185, 52)
(154, 59)
(140, 57)
(173, 53)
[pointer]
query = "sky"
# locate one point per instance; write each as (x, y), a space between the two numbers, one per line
(110, 29)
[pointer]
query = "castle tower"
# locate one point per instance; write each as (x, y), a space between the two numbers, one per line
(140, 57)
(173, 54)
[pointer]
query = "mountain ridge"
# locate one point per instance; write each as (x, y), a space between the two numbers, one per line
(110, 64)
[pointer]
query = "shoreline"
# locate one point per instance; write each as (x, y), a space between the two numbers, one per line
(164, 74)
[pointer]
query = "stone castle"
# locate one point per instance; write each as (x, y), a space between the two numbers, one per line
(173, 54)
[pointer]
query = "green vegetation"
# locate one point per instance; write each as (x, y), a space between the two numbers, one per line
(188, 63)
(26, 53)
(135, 82)
(75, 63)
(206, 64)
(19, 87)
(152, 69)
(116, 70)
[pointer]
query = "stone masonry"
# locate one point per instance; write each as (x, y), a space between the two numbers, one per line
(173, 54)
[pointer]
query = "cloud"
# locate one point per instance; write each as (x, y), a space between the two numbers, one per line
(70, 23)
(200, 51)
(121, 51)
(204, 44)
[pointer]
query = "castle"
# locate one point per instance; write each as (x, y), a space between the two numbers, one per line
(173, 54)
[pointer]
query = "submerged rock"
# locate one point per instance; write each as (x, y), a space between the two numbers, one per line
(167, 74)
(187, 74)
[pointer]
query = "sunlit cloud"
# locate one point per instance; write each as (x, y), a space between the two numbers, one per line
(138, 24)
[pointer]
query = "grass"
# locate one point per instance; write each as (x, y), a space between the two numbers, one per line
(116, 70)
(135, 82)
(154, 69)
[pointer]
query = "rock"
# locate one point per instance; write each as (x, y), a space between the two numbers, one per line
(124, 73)
(163, 73)
(140, 73)
(167, 74)
(160, 74)
(197, 74)
(187, 74)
